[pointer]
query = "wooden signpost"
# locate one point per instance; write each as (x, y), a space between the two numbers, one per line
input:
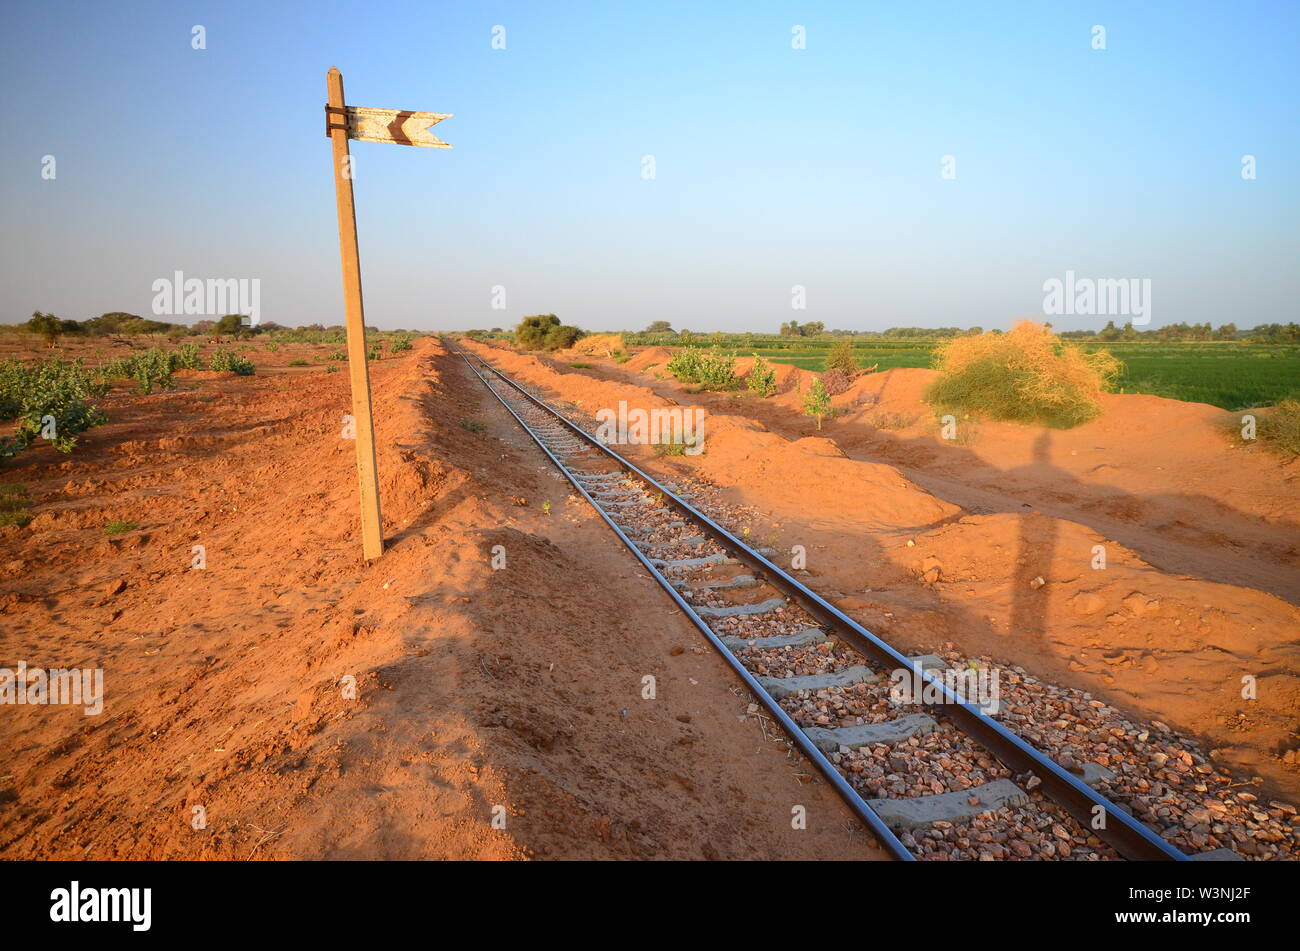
(343, 122)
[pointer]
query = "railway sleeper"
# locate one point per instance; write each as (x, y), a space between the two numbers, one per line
(782, 687)
(920, 811)
(887, 732)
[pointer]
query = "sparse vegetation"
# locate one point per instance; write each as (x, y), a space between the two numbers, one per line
(1276, 429)
(14, 505)
(675, 447)
(299, 363)
(54, 399)
(761, 378)
(118, 527)
(1025, 375)
(400, 344)
(581, 366)
(225, 360)
(841, 358)
(472, 425)
(817, 403)
(712, 369)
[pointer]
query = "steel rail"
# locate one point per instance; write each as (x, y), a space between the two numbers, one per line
(1130, 838)
(852, 798)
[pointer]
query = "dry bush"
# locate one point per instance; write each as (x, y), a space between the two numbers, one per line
(836, 382)
(1027, 375)
(1277, 429)
(604, 345)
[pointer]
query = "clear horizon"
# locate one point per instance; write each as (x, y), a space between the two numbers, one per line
(775, 167)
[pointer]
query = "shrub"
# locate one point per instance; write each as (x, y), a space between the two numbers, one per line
(223, 359)
(761, 378)
(338, 355)
(842, 360)
(1280, 428)
(63, 392)
(186, 357)
(685, 365)
(149, 368)
(817, 403)
(272, 346)
(545, 332)
(675, 447)
(1277, 430)
(402, 343)
(718, 371)
(1025, 375)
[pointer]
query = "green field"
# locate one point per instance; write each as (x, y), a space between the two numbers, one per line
(1230, 375)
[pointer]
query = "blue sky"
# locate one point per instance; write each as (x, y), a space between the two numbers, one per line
(774, 167)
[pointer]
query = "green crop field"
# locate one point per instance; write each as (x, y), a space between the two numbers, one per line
(1230, 375)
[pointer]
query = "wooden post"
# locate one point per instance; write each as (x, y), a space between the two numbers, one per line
(372, 533)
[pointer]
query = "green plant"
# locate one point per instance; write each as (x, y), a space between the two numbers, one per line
(402, 343)
(1026, 375)
(272, 346)
(55, 400)
(546, 508)
(841, 358)
(1277, 429)
(581, 366)
(299, 363)
(545, 332)
(331, 369)
(761, 378)
(14, 504)
(685, 365)
(717, 371)
(338, 355)
(621, 356)
(224, 360)
(186, 357)
(817, 403)
(675, 447)
(472, 425)
(118, 527)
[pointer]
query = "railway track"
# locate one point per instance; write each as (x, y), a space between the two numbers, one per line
(831, 684)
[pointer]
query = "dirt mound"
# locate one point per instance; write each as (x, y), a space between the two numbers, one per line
(1059, 595)
(649, 357)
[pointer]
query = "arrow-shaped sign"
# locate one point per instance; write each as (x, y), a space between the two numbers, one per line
(399, 126)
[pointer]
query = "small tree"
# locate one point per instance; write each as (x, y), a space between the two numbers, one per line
(761, 378)
(659, 327)
(817, 403)
(48, 326)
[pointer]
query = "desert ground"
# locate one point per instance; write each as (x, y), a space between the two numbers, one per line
(484, 693)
